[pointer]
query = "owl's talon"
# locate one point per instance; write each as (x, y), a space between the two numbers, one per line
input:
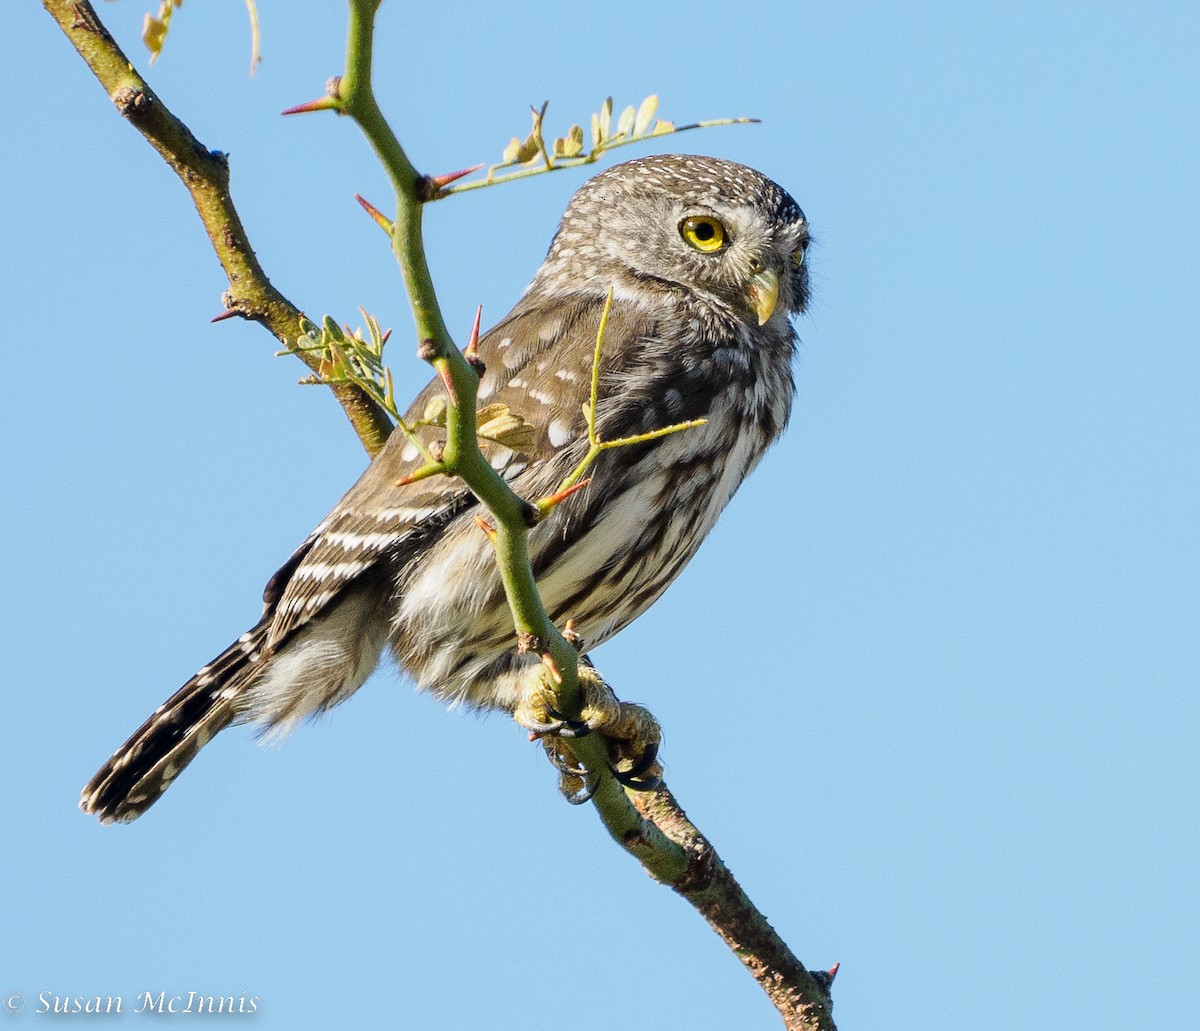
(536, 712)
(636, 783)
(567, 727)
(633, 777)
(584, 794)
(576, 784)
(633, 748)
(564, 762)
(557, 725)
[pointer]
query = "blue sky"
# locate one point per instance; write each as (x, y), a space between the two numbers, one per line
(930, 686)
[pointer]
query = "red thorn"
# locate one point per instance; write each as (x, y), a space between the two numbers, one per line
(380, 218)
(832, 971)
(473, 343)
(320, 104)
(440, 182)
(228, 313)
(552, 666)
(443, 372)
(404, 481)
(387, 335)
(557, 499)
(486, 528)
(570, 626)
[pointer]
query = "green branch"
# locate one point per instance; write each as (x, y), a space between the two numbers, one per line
(354, 97)
(650, 825)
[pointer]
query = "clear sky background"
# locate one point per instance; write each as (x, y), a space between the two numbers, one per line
(931, 686)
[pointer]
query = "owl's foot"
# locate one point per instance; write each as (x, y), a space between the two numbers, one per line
(537, 714)
(630, 731)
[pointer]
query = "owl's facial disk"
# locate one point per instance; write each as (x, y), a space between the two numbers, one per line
(721, 232)
(745, 257)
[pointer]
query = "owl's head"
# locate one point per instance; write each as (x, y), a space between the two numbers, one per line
(714, 228)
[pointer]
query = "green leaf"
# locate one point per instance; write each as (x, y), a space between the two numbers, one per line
(154, 35)
(645, 114)
(605, 118)
(435, 412)
(331, 328)
(528, 149)
(511, 151)
(496, 422)
(625, 122)
(572, 146)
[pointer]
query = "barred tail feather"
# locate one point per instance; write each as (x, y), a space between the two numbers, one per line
(144, 767)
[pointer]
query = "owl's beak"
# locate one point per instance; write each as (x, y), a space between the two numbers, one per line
(763, 292)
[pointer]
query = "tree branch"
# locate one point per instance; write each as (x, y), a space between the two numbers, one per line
(205, 174)
(650, 825)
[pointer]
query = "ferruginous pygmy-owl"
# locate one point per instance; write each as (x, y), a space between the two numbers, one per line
(705, 259)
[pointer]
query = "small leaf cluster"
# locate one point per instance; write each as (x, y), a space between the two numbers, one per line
(634, 124)
(532, 155)
(495, 423)
(346, 356)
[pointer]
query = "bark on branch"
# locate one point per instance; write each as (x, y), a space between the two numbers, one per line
(205, 174)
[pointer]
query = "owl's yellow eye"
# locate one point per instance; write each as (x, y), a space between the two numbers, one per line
(703, 232)
(798, 257)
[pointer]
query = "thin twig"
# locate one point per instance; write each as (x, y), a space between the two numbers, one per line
(205, 174)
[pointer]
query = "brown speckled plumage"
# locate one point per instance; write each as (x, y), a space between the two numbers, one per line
(406, 567)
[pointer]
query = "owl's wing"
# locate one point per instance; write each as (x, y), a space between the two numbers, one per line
(538, 365)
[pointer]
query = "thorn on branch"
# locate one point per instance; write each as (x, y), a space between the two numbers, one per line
(326, 103)
(546, 505)
(824, 982)
(487, 528)
(552, 667)
(570, 634)
(434, 468)
(433, 187)
(443, 371)
(473, 343)
(377, 216)
(471, 351)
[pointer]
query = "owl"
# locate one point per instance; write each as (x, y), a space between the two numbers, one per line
(705, 261)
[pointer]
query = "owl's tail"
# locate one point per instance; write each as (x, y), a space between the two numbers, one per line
(144, 767)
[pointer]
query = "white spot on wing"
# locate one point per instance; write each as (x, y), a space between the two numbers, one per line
(559, 432)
